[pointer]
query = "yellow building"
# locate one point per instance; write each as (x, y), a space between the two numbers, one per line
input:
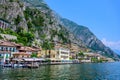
(57, 54)
(47, 54)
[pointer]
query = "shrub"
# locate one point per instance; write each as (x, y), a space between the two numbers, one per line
(34, 55)
(17, 20)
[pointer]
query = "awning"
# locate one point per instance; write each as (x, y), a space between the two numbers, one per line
(16, 59)
(33, 59)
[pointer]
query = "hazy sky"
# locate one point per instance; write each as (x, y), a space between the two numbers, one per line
(102, 17)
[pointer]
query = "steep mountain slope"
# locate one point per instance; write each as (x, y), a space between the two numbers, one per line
(50, 26)
(88, 38)
(36, 19)
(12, 11)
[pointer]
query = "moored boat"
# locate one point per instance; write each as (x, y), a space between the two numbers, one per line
(33, 65)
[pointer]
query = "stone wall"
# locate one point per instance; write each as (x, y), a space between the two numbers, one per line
(8, 37)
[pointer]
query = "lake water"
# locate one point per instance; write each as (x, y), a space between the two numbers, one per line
(86, 71)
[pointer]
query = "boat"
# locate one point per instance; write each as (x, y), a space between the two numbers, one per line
(7, 65)
(18, 66)
(33, 65)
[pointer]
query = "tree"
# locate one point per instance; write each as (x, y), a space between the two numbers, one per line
(1, 37)
(20, 30)
(34, 55)
(80, 54)
(47, 46)
(17, 20)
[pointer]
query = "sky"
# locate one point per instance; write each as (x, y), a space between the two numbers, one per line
(102, 17)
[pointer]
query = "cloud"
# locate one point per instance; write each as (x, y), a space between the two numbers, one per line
(111, 44)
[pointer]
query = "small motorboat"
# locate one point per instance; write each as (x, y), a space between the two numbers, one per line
(33, 65)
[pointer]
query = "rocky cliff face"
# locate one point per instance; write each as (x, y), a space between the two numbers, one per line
(51, 26)
(34, 16)
(11, 11)
(88, 38)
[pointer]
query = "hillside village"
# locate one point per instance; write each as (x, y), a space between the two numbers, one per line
(11, 51)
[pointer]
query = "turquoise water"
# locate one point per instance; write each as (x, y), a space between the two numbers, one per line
(86, 71)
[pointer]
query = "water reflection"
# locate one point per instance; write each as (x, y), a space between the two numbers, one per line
(89, 71)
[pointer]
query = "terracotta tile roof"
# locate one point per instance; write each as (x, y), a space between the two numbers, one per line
(7, 43)
(16, 44)
(37, 48)
(29, 49)
(21, 53)
(13, 44)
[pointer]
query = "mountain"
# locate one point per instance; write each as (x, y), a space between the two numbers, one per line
(34, 23)
(116, 51)
(36, 19)
(88, 38)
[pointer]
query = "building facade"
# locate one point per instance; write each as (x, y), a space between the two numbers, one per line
(63, 54)
(21, 55)
(25, 52)
(6, 50)
(4, 24)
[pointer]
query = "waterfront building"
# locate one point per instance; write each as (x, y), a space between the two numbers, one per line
(51, 54)
(6, 49)
(21, 55)
(25, 52)
(74, 49)
(26, 49)
(55, 55)
(90, 57)
(10, 50)
(63, 54)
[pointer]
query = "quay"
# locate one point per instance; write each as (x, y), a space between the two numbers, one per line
(35, 63)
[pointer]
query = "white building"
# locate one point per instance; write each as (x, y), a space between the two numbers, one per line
(63, 54)
(6, 50)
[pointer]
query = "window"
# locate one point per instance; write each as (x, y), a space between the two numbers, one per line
(10, 49)
(6, 49)
(1, 48)
(14, 49)
(0, 23)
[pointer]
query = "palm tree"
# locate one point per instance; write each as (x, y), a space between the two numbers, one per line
(80, 55)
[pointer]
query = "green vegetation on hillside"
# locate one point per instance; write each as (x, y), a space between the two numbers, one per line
(23, 37)
(17, 20)
(47, 45)
(33, 17)
(36, 21)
